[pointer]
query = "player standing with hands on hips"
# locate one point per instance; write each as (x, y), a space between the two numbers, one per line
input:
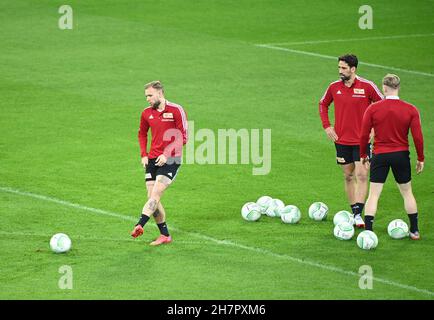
(351, 96)
(391, 119)
(168, 123)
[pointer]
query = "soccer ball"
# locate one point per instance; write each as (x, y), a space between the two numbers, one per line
(397, 229)
(290, 214)
(274, 208)
(342, 216)
(318, 211)
(251, 211)
(264, 202)
(367, 240)
(60, 242)
(344, 231)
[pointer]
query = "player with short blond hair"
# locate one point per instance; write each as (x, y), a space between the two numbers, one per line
(168, 124)
(392, 119)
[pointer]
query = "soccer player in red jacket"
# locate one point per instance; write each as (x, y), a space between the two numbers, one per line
(391, 119)
(168, 124)
(351, 96)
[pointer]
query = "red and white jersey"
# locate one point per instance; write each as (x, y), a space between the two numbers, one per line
(169, 130)
(350, 104)
(391, 119)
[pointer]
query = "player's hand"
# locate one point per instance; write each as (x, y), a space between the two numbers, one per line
(366, 163)
(419, 167)
(161, 160)
(331, 133)
(145, 161)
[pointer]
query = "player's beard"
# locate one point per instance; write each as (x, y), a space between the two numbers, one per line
(156, 104)
(344, 77)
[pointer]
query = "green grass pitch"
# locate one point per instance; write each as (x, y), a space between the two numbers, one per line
(69, 157)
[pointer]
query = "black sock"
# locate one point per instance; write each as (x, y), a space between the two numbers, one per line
(413, 222)
(353, 208)
(163, 228)
(143, 219)
(357, 208)
(360, 207)
(369, 221)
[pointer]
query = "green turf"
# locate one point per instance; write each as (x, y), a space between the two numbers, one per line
(69, 113)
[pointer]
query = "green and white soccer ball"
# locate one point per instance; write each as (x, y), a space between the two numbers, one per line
(274, 208)
(397, 229)
(60, 242)
(367, 240)
(264, 202)
(251, 211)
(318, 211)
(290, 214)
(343, 230)
(343, 216)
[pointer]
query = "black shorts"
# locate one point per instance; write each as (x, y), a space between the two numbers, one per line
(348, 154)
(400, 163)
(169, 169)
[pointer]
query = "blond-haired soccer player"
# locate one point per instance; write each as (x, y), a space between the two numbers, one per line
(391, 119)
(168, 124)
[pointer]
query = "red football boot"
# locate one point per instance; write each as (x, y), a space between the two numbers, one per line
(138, 231)
(161, 240)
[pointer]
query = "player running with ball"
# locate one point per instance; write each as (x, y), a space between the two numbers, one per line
(168, 124)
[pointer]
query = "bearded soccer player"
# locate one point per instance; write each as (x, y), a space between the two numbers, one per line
(351, 96)
(391, 119)
(168, 124)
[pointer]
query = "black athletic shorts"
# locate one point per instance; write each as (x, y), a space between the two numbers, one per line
(348, 154)
(169, 169)
(399, 162)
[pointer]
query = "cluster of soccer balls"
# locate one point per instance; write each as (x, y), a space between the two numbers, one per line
(343, 220)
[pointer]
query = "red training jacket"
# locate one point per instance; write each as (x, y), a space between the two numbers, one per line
(169, 130)
(350, 104)
(391, 119)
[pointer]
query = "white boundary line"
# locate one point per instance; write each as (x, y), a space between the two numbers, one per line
(401, 36)
(79, 238)
(312, 54)
(217, 241)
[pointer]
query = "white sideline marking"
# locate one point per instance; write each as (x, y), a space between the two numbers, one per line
(68, 204)
(217, 241)
(312, 54)
(401, 36)
(78, 238)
